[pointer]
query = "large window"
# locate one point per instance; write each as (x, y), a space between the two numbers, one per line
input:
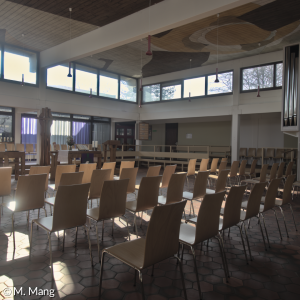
(6, 124)
(151, 93)
(20, 64)
(267, 76)
(171, 90)
(86, 80)
(108, 85)
(60, 130)
(194, 87)
(28, 130)
(223, 86)
(57, 77)
(128, 89)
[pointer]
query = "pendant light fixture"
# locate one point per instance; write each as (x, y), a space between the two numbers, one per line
(258, 94)
(22, 82)
(141, 78)
(70, 64)
(190, 85)
(217, 69)
(91, 93)
(149, 52)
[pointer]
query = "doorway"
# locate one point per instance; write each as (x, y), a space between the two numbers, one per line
(171, 135)
(125, 133)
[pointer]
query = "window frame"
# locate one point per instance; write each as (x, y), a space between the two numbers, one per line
(274, 64)
(2, 46)
(98, 84)
(182, 89)
(12, 113)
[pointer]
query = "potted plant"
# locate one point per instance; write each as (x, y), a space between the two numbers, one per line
(70, 142)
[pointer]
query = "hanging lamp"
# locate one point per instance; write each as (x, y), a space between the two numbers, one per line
(70, 64)
(149, 52)
(258, 94)
(91, 93)
(23, 82)
(141, 78)
(190, 85)
(217, 69)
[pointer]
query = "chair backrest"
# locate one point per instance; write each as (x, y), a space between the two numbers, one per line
(232, 209)
(271, 194)
(148, 193)
(175, 188)
(289, 169)
(280, 170)
(87, 170)
(243, 167)
(30, 193)
(191, 167)
(153, 171)
(97, 180)
(5, 179)
(64, 147)
(200, 184)
(273, 171)
(168, 172)
(163, 233)
(2, 147)
(254, 200)
(287, 196)
(214, 165)
(259, 152)
(126, 164)
(222, 165)
(279, 153)
(224, 159)
(20, 147)
(203, 164)
(252, 152)
(29, 148)
(113, 199)
(63, 169)
(270, 152)
(10, 147)
(56, 147)
(208, 217)
(253, 166)
(243, 152)
(234, 168)
(129, 173)
(71, 178)
(110, 166)
(35, 170)
(221, 181)
(70, 206)
(263, 173)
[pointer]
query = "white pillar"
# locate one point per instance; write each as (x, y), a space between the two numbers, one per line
(235, 134)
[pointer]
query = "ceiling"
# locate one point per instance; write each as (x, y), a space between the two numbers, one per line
(272, 23)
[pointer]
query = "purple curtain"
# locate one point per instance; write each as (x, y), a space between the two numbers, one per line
(81, 132)
(29, 131)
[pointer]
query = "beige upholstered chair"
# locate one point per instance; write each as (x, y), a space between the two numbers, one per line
(112, 205)
(98, 178)
(66, 179)
(280, 169)
(270, 153)
(35, 170)
(168, 172)
(289, 169)
(251, 153)
(66, 215)
(273, 173)
(64, 147)
(214, 165)
(222, 167)
(203, 165)
(161, 242)
(152, 172)
(2, 147)
(191, 171)
(30, 150)
(147, 197)
(199, 189)
(224, 159)
(252, 209)
(125, 164)
(87, 170)
(130, 173)
(259, 154)
(207, 227)
(242, 171)
(279, 154)
(242, 153)
(110, 166)
(262, 178)
(220, 182)
(60, 169)
(29, 195)
(175, 189)
(233, 175)
(20, 147)
(10, 147)
(251, 173)
(5, 186)
(56, 147)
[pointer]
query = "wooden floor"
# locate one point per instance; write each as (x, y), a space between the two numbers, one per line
(274, 274)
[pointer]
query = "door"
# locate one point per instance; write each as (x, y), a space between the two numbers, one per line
(125, 133)
(171, 135)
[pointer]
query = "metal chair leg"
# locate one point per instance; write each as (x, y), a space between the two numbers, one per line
(266, 230)
(101, 274)
(64, 235)
(262, 233)
(136, 230)
(141, 220)
(13, 230)
(77, 234)
(142, 285)
(90, 246)
(277, 223)
(127, 228)
(98, 243)
(30, 241)
(50, 252)
(284, 221)
(102, 229)
(182, 278)
(247, 240)
(293, 215)
(241, 233)
(112, 227)
(196, 271)
(223, 256)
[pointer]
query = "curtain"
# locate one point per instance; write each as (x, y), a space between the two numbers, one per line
(101, 132)
(29, 131)
(60, 130)
(81, 132)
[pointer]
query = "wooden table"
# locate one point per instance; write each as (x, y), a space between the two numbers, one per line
(71, 156)
(16, 155)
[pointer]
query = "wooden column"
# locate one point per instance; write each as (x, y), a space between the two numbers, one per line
(112, 148)
(46, 120)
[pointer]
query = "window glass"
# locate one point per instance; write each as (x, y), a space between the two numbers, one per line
(279, 74)
(171, 90)
(101, 132)
(108, 85)
(5, 109)
(81, 132)
(262, 76)
(57, 77)
(6, 134)
(86, 79)
(60, 130)
(19, 63)
(101, 119)
(128, 89)
(81, 117)
(29, 131)
(194, 87)
(60, 115)
(151, 93)
(224, 86)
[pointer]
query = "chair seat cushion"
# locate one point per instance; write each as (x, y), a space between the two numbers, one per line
(131, 252)
(46, 223)
(50, 201)
(93, 213)
(131, 205)
(162, 200)
(187, 234)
